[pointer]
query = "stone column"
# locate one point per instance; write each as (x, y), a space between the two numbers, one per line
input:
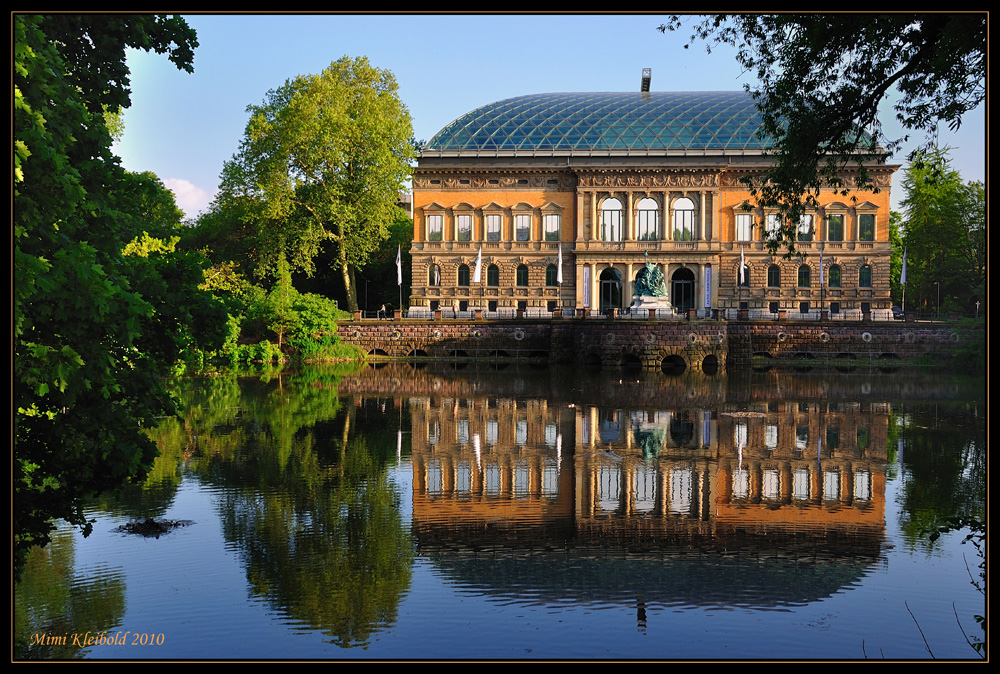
(701, 216)
(668, 229)
(629, 225)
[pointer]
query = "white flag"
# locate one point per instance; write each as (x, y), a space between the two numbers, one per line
(902, 274)
(479, 266)
(399, 266)
(559, 267)
(741, 265)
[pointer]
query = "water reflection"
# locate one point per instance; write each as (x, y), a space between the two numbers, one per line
(769, 504)
(763, 491)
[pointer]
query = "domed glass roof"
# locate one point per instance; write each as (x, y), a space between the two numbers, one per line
(579, 122)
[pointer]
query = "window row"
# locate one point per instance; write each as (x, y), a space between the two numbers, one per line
(492, 275)
(647, 220)
(806, 230)
(493, 227)
(834, 276)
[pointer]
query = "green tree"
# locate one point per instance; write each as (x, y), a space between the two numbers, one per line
(821, 79)
(944, 235)
(380, 272)
(323, 158)
(94, 330)
(281, 317)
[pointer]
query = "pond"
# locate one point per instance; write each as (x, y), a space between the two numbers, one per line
(462, 511)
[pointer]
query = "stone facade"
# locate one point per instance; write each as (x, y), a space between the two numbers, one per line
(605, 213)
(700, 345)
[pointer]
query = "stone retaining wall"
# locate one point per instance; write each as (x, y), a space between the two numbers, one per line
(698, 345)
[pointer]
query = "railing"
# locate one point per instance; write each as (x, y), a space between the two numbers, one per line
(731, 314)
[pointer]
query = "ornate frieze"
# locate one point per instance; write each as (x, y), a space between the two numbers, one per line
(656, 179)
(494, 181)
(881, 179)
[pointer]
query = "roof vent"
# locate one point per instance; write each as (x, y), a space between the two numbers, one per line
(647, 75)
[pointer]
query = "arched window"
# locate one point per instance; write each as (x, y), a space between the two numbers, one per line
(683, 219)
(774, 276)
(522, 275)
(865, 277)
(805, 276)
(611, 220)
(834, 276)
(493, 275)
(551, 275)
(434, 275)
(463, 275)
(648, 220)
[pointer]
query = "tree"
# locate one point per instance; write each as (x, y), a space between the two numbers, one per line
(944, 236)
(323, 158)
(821, 80)
(93, 330)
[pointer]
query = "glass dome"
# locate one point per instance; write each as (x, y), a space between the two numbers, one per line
(627, 121)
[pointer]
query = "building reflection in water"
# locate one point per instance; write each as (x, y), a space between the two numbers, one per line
(784, 499)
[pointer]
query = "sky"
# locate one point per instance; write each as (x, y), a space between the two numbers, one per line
(182, 126)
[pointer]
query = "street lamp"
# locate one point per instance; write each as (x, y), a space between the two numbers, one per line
(937, 308)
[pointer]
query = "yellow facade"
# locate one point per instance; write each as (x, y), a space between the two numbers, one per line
(609, 212)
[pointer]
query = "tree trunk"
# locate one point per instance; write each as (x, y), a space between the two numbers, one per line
(347, 274)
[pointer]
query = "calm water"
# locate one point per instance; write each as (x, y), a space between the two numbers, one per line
(530, 513)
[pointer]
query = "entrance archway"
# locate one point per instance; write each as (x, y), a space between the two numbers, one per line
(682, 289)
(611, 290)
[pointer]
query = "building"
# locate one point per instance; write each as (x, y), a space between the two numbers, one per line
(569, 195)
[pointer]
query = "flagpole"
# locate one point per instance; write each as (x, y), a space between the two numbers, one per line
(477, 276)
(902, 281)
(822, 287)
(559, 277)
(399, 275)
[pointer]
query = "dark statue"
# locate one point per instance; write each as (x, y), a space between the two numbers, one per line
(650, 281)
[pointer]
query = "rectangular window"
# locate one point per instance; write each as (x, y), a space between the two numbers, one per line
(434, 227)
(805, 228)
(522, 227)
(744, 226)
(773, 226)
(866, 227)
(463, 228)
(552, 226)
(493, 227)
(835, 228)
(683, 225)
(648, 229)
(611, 225)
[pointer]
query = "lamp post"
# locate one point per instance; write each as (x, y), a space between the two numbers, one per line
(937, 307)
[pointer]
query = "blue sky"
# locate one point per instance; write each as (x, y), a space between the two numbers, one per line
(183, 127)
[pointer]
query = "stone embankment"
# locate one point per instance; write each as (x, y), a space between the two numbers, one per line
(669, 344)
